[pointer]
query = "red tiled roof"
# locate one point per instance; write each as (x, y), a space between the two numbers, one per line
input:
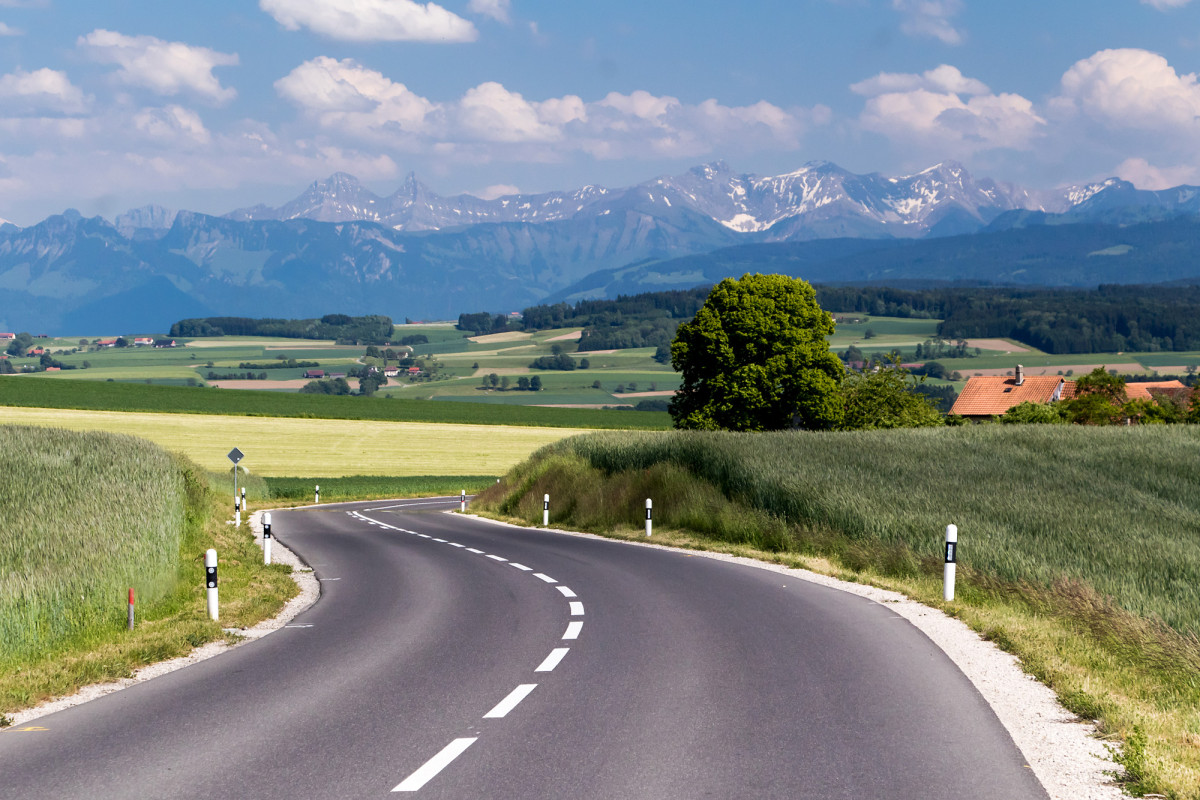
(1141, 391)
(995, 395)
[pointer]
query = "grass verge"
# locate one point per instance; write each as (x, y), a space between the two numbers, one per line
(1080, 549)
(171, 619)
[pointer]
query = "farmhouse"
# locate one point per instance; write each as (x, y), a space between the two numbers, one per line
(36, 351)
(106, 343)
(9, 336)
(142, 341)
(992, 396)
(391, 372)
(315, 373)
(1146, 391)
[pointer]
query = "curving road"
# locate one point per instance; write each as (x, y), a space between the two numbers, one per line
(454, 658)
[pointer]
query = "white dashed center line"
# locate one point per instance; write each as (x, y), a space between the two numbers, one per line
(542, 577)
(566, 592)
(473, 550)
(521, 567)
(509, 703)
(556, 655)
(434, 765)
(496, 558)
(573, 629)
(576, 609)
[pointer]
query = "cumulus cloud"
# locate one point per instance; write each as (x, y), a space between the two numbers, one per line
(39, 92)
(496, 9)
(172, 124)
(8, 30)
(344, 95)
(1131, 89)
(496, 190)
(1144, 175)
(944, 109)
(944, 79)
(376, 20)
(930, 18)
(490, 121)
(166, 68)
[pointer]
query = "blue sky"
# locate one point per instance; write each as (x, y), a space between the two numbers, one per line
(106, 106)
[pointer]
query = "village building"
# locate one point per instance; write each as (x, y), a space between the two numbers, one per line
(987, 396)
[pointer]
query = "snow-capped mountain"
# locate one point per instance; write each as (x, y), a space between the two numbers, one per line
(819, 200)
(414, 207)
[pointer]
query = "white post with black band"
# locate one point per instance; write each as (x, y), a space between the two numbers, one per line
(210, 579)
(237, 511)
(462, 502)
(317, 494)
(951, 559)
(649, 506)
(266, 519)
(545, 510)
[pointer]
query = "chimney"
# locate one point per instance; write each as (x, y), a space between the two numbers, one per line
(1020, 376)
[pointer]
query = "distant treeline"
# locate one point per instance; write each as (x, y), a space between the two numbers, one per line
(371, 329)
(1111, 318)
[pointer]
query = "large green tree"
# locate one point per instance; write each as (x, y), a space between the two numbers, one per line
(756, 358)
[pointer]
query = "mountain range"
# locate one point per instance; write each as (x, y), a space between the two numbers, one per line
(339, 247)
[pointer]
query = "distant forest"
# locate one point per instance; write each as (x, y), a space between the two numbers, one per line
(1108, 319)
(1111, 318)
(343, 328)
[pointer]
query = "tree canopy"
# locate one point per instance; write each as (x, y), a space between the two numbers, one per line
(756, 358)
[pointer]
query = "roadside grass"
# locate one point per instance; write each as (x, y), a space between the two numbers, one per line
(112, 512)
(1079, 549)
(370, 487)
(329, 447)
(35, 392)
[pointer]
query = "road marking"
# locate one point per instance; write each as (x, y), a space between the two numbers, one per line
(423, 536)
(433, 766)
(28, 729)
(566, 592)
(455, 544)
(496, 558)
(521, 567)
(443, 541)
(309, 626)
(556, 655)
(323, 580)
(509, 703)
(543, 577)
(573, 629)
(473, 550)
(576, 609)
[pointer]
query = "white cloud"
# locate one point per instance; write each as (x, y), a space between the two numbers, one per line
(172, 124)
(942, 109)
(943, 78)
(344, 95)
(1131, 89)
(1144, 175)
(1163, 5)
(8, 30)
(41, 91)
(166, 68)
(496, 9)
(498, 190)
(373, 20)
(491, 113)
(930, 18)
(490, 122)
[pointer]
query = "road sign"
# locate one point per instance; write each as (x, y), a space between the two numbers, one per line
(236, 455)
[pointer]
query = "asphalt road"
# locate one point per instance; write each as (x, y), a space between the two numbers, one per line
(454, 658)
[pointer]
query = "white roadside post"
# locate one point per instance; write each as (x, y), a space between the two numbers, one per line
(649, 506)
(210, 569)
(266, 522)
(462, 502)
(237, 512)
(245, 507)
(317, 494)
(951, 559)
(130, 608)
(545, 511)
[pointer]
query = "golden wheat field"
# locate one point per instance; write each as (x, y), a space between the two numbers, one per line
(326, 447)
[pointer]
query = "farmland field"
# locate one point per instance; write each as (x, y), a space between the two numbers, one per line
(277, 446)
